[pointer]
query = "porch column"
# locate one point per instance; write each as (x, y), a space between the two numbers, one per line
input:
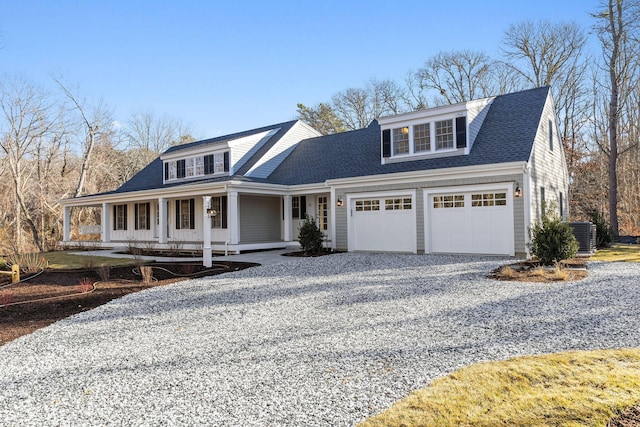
(162, 220)
(206, 232)
(66, 224)
(106, 222)
(234, 218)
(287, 219)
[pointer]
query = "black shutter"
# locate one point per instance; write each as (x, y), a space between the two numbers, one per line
(461, 132)
(181, 168)
(226, 161)
(125, 217)
(177, 214)
(303, 207)
(192, 214)
(208, 164)
(136, 213)
(223, 208)
(115, 217)
(386, 143)
(148, 206)
(166, 171)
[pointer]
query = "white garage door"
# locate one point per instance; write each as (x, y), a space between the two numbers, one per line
(385, 224)
(479, 222)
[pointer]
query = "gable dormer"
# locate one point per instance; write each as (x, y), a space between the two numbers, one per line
(448, 130)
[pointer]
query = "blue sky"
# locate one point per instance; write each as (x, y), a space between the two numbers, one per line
(235, 65)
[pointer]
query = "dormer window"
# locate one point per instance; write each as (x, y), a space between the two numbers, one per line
(401, 140)
(422, 137)
(444, 134)
(197, 166)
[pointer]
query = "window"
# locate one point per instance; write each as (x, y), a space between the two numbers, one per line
(401, 140)
(219, 204)
(367, 205)
(219, 163)
(120, 217)
(196, 166)
(142, 216)
(444, 134)
(185, 214)
(451, 201)
(489, 199)
(550, 135)
(189, 167)
(397, 204)
(422, 137)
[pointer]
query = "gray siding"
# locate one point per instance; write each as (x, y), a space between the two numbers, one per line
(476, 117)
(260, 218)
(518, 206)
(548, 168)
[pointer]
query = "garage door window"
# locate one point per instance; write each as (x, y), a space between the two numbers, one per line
(489, 199)
(367, 205)
(397, 204)
(452, 201)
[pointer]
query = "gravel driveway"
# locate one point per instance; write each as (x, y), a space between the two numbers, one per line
(326, 341)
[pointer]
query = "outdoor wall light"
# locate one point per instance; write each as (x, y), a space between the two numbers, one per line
(340, 202)
(211, 212)
(518, 191)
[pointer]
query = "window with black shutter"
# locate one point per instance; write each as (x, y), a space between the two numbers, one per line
(386, 143)
(461, 132)
(226, 161)
(166, 171)
(181, 168)
(208, 164)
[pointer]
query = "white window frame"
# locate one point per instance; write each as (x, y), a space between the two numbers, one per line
(396, 140)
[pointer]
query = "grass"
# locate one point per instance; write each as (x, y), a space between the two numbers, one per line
(565, 389)
(65, 260)
(618, 252)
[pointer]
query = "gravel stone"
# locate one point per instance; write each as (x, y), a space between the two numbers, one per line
(325, 341)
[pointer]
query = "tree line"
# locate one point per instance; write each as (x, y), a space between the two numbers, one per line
(56, 144)
(596, 94)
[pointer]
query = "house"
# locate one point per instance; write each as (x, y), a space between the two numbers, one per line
(465, 178)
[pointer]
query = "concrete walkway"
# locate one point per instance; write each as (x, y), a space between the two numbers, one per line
(260, 257)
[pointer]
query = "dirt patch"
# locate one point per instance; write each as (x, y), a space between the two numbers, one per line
(54, 294)
(531, 271)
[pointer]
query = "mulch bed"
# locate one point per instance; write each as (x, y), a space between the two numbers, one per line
(531, 271)
(72, 291)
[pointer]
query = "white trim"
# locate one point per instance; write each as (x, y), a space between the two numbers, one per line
(432, 113)
(380, 194)
(428, 192)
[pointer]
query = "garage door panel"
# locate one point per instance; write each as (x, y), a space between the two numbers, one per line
(384, 224)
(470, 222)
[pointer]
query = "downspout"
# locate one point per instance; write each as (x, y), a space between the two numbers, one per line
(527, 206)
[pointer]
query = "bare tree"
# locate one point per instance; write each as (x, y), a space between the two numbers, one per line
(93, 123)
(27, 118)
(617, 25)
(155, 134)
(458, 76)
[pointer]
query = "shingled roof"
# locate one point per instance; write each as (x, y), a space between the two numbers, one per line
(507, 135)
(151, 176)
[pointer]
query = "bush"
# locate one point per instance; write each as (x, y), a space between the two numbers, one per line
(604, 234)
(552, 240)
(310, 236)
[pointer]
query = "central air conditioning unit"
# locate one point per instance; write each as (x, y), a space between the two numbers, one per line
(586, 236)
